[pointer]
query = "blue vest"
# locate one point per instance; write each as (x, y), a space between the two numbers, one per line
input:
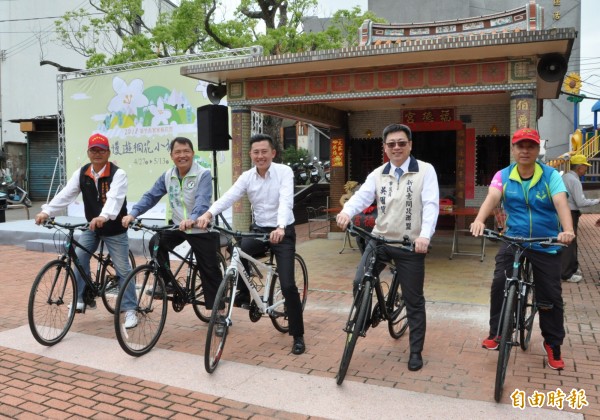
(530, 213)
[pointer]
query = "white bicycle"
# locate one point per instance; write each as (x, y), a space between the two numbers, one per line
(265, 293)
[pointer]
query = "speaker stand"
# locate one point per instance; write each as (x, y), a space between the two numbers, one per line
(216, 190)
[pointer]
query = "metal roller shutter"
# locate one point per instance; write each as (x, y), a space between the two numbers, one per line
(43, 152)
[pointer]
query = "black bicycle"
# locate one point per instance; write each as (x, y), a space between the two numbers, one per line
(519, 306)
(390, 305)
(152, 297)
(53, 297)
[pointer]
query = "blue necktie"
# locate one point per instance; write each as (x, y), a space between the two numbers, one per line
(399, 173)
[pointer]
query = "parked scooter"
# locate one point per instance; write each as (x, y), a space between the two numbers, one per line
(13, 193)
(327, 171)
(300, 174)
(313, 169)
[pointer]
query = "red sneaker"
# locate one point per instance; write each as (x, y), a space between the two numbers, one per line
(491, 343)
(554, 360)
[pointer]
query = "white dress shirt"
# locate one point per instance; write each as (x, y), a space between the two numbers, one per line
(271, 197)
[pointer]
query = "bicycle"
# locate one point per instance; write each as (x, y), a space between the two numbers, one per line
(261, 278)
(53, 297)
(152, 298)
(519, 306)
(390, 306)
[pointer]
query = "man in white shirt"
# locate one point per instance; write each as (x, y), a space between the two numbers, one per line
(407, 194)
(270, 189)
(576, 199)
(103, 186)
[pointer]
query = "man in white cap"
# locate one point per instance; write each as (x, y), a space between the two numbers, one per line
(103, 186)
(570, 265)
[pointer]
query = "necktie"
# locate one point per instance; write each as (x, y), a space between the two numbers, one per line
(399, 173)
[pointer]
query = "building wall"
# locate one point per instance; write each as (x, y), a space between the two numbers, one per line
(28, 90)
(557, 122)
(484, 119)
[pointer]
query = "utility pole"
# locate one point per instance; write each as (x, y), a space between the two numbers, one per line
(2, 59)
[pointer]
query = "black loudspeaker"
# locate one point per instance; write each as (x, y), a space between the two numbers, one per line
(552, 67)
(216, 93)
(213, 127)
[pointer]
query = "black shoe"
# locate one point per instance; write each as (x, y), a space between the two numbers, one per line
(158, 293)
(415, 362)
(242, 300)
(298, 347)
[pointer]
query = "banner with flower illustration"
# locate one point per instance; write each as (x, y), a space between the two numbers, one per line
(140, 111)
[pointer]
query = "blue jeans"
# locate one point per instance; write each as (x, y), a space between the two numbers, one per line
(118, 248)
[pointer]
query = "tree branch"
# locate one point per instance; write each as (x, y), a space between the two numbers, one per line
(209, 30)
(58, 66)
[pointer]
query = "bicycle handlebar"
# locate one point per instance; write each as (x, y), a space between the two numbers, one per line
(264, 237)
(405, 243)
(52, 223)
(518, 240)
(138, 225)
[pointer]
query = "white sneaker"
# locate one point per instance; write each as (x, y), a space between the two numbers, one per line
(579, 273)
(130, 319)
(574, 279)
(78, 308)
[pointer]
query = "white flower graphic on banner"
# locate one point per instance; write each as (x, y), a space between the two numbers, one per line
(128, 98)
(160, 114)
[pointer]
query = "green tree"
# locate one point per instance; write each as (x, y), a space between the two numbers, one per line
(117, 31)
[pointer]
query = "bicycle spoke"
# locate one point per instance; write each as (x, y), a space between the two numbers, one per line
(150, 309)
(51, 307)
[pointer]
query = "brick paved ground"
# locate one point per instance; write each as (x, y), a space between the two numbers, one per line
(455, 365)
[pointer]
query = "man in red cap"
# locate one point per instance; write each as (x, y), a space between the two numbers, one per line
(523, 189)
(103, 187)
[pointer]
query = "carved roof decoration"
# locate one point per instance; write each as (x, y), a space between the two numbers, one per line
(525, 18)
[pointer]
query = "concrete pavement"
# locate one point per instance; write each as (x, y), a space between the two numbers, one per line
(88, 375)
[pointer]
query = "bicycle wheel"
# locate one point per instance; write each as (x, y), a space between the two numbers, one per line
(529, 307)
(151, 311)
(110, 281)
(218, 327)
(506, 340)
(398, 323)
(50, 310)
(354, 326)
(279, 316)
(199, 303)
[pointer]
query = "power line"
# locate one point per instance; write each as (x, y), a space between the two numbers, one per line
(40, 18)
(32, 40)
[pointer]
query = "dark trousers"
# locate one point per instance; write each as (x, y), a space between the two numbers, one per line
(410, 268)
(548, 290)
(205, 247)
(284, 258)
(569, 260)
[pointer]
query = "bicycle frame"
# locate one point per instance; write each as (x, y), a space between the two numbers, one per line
(517, 279)
(71, 258)
(267, 270)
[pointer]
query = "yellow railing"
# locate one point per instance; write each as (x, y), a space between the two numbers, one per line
(589, 149)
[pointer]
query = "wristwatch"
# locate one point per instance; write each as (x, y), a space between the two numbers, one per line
(281, 227)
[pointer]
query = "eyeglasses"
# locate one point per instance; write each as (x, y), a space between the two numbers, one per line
(98, 151)
(392, 144)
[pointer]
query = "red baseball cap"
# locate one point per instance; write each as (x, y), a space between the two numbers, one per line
(526, 134)
(98, 140)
